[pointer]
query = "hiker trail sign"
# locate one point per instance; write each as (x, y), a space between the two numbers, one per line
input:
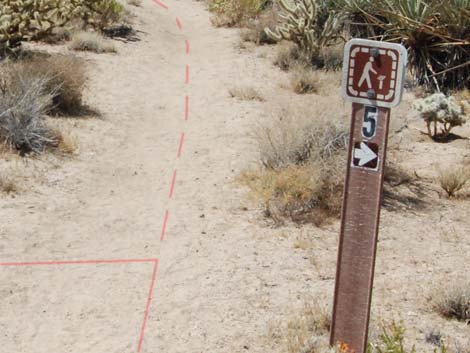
(373, 72)
(373, 81)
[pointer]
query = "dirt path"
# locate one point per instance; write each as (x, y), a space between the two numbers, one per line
(113, 200)
(84, 237)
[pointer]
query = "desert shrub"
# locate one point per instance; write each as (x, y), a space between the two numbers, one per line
(304, 80)
(91, 41)
(309, 24)
(436, 34)
(452, 180)
(64, 75)
(453, 301)
(439, 109)
(235, 12)
(302, 161)
(23, 103)
(246, 93)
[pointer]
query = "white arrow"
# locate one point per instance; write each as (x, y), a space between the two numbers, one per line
(364, 154)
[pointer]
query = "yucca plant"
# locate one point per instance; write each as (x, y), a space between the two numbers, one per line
(436, 33)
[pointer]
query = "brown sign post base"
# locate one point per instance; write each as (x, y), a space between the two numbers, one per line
(359, 230)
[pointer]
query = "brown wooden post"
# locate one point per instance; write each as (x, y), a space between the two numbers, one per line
(373, 80)
(359, 230)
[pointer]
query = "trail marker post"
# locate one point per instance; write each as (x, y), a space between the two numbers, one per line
(373, 77)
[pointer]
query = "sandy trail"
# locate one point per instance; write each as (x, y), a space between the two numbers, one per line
(224, 277)
(110, 204)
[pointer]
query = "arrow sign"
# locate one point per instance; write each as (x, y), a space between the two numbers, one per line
(365, 154)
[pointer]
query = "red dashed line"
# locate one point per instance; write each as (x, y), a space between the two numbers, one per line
(147, 307)
(78, 262)
(187, 46)
(180, 147)
(96, 262)
(178, 23)
(172, 187)
(165, 222)
(186, 108)
(161, 4)
(187, 75)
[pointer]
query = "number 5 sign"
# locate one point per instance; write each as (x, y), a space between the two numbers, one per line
(373, 80)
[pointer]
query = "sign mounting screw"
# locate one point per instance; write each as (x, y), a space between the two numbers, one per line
(371, 94)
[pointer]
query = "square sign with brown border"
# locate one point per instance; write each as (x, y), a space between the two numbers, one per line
(373, 72)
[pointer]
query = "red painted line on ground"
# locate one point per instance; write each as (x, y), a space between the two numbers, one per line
(172, 187)
(147, 307)
(77, 262)
(187, 75)
(165, 222)
(161, 4)
(187, 46)
(180, 147)
(186, 108)
(178, 23)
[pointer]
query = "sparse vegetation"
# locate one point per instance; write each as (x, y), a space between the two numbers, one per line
(304, 80)
(91, 41)
(246, 93)
(453, 301)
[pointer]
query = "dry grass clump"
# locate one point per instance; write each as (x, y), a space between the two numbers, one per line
(255, 28)
(289, 56)
(302, 160)
(235, 12)
(306, 331)
(66, 78)
(304, 80)
(8, 185)
(453, 301)
(24, 101)
(137, 3)
(246, 93)
(452, 180)
(91, 41)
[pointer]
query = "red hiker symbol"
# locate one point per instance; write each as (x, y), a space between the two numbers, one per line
(368, 69)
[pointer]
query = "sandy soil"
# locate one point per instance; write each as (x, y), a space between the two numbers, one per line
(226, 277)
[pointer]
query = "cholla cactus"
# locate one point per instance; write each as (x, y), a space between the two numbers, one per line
(26, 19)
(438, 108)
(300, 24)
(31, 19)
